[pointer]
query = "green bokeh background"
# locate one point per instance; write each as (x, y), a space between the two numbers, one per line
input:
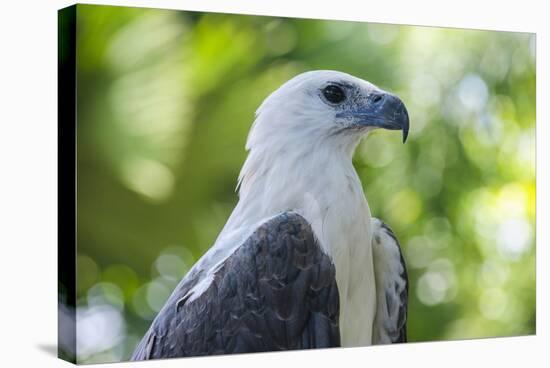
(165, 100)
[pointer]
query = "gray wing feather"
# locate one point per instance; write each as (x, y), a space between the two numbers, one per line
(392, 286)
(276, 292)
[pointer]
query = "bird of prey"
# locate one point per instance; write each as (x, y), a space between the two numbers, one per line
(300, 263)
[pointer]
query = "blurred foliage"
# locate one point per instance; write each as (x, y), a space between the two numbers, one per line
(165, 100)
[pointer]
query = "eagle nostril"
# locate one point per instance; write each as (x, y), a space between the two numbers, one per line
(377, 99)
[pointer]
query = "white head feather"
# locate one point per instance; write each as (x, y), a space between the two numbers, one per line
(294, 121)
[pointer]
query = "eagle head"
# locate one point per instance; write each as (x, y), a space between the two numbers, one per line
(326, 107)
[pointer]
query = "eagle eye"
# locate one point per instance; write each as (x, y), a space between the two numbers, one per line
(334, 94)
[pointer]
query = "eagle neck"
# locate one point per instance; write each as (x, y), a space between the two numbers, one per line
(317, 181)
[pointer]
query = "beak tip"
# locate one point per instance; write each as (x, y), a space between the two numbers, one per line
(405, 124)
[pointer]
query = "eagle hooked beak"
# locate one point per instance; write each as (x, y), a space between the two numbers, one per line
(382, 110)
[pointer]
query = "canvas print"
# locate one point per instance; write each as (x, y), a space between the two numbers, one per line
(238, 184)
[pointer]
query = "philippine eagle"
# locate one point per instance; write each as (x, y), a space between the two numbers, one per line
(300, 263)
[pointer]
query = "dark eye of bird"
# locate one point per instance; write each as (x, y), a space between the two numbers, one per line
(334, 94)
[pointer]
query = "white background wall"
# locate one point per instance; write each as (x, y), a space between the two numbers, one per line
(28, 180)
